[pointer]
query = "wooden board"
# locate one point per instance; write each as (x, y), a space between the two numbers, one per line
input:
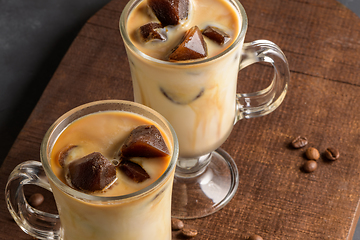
(275, 199)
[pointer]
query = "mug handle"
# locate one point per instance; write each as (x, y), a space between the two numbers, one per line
(34, 222)
(263, 102)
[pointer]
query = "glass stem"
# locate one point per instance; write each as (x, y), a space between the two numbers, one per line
(192, 167)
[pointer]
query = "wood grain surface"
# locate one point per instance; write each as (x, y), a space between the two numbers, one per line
(275, 199)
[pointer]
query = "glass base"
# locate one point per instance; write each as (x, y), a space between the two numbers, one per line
(199, 195)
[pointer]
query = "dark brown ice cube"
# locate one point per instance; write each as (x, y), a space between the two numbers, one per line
(144, 141)
(192, 46)
(181, 98)
(92, 172)
(216, 34)
(169, 12)
(64, 153)
(152, 31)
(133, 171)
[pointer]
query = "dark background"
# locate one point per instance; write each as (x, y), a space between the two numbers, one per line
(34, 36)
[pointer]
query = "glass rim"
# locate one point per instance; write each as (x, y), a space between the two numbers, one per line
(132, 3)
(50, 134)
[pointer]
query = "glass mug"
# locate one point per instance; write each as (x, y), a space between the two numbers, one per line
(199, 99)
(145, 214)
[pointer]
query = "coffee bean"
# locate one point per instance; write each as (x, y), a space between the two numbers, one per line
(312, 153)
(36, 199)
(255, 237)
(332, 153)
(310, 166)
(176, 224)
(299, 142)
(187, 232)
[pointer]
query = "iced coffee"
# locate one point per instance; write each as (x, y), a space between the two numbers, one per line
(185, 56)
(111, 154)
(194, 89)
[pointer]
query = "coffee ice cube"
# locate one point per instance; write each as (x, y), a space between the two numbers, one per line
(144, 141)
(216, 35)
(170, 12)
(182, 98)
(192, 46)
(133, 171)
(92, 172)
(64, 155)
(152, 31)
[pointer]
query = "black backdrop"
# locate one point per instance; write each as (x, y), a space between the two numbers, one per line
(34, 36)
